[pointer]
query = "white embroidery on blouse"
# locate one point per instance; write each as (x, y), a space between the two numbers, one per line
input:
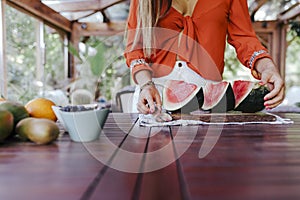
(137, 62)
(254, 55)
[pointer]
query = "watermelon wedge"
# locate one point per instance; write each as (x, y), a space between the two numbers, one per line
(177, 93)
(249, 96)
(218, 97)
(241, 89)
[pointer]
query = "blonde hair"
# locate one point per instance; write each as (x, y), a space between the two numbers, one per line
(148, 14)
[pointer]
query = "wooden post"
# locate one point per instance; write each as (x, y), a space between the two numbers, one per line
(75, 39)
(283, 44)
(274, 35)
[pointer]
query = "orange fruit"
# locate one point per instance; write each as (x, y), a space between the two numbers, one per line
(41, 108)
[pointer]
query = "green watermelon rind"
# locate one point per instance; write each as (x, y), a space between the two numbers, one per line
(254, 101)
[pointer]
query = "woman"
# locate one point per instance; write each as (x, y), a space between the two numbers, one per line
(165, 36)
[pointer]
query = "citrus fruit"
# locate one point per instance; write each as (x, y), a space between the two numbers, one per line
(6, 124)
(17, 110)
(41, 108)
(38, 130)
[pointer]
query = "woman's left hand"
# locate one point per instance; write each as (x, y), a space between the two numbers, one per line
(270, 76)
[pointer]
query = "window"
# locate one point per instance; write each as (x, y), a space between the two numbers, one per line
(34, 57)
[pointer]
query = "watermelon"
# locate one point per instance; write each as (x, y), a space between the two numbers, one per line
(241, 89)
(218, 97)
(177, 94)
(249, 96)
(242, 95)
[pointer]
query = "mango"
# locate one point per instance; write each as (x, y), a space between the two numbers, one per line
(18, 110)
(6, 124)
(38, 130)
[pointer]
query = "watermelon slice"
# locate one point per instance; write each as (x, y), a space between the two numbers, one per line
(241, 89)
(249, 96)
(176, 94)
(218, 97)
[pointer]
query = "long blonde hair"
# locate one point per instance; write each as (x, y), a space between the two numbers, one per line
(148, 14)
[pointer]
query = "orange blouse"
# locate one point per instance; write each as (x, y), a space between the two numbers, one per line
(202, 41)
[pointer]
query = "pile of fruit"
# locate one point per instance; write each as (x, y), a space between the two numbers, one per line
(34, 121)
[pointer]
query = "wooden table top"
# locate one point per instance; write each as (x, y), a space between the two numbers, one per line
(131, 162)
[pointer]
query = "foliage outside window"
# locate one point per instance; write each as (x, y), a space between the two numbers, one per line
(21, 56)
(54, 66)
(102, 70)
(293, 59)
(233, 68)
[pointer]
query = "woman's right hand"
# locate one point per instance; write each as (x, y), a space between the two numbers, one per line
(149, 100)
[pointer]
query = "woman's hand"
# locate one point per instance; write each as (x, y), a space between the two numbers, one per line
(270, 76)
(149, 100)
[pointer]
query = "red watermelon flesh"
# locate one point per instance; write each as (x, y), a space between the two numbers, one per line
(178, 93)
(241, 89)
(213, 93)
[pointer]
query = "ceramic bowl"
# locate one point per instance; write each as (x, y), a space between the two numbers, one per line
(57, 113)
(84, 126)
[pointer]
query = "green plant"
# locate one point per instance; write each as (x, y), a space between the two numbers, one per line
(101, 62)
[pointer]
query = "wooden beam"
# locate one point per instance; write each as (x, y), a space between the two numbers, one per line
(259, 4)
(40, 10)
(101, 29)
(265, 27)
(283, 50)
(84, 5)
(291, 13)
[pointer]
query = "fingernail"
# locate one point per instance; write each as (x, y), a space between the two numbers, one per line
(266, 99)
(265, 104)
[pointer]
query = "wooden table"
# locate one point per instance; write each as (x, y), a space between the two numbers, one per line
(247, 162)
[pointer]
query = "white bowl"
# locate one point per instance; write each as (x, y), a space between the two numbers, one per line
(84, 126)
(57, 113)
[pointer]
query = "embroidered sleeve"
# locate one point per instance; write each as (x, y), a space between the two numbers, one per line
(242, 36)
(254, 57)
(139, 65)
(138, 62)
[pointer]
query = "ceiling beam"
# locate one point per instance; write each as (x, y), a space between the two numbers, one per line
(291, 13)
(258, 5)
(79, 6)
(100, 29)
(40, 10)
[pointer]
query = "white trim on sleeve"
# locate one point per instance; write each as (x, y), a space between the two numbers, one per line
(254, 55)
(137, 62)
